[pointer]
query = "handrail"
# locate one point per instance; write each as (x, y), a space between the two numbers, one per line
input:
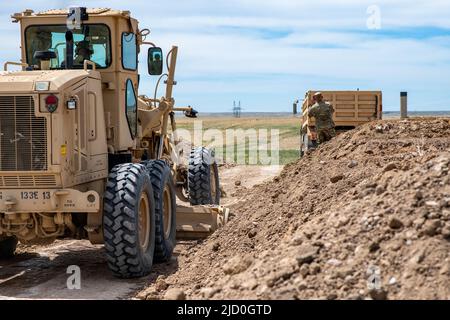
(91, 63)
(7, 63)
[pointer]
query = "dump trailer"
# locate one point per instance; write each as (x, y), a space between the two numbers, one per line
(351, 109)
(85, 155)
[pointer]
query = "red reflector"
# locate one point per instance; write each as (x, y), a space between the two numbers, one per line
(51, 100)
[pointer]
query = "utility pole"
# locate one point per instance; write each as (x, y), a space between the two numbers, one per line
(294, 107)
(237, 109)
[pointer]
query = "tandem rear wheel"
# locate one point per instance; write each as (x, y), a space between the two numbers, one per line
(129, 223)
(165, 208)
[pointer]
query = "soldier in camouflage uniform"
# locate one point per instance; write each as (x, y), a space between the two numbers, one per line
(83, 52)
(323, 113)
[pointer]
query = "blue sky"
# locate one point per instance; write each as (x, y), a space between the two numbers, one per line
(268, 53)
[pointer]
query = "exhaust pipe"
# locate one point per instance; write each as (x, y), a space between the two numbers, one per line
(69, 49)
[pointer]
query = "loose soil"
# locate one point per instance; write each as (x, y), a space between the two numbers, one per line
(365, 216)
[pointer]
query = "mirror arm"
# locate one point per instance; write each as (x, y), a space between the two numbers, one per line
(157, 85)
(149, 43)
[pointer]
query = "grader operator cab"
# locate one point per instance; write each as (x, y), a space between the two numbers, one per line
(84, 156)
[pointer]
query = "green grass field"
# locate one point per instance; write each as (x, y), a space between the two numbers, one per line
(287, 129)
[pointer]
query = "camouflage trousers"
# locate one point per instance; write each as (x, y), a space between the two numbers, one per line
(325, 134)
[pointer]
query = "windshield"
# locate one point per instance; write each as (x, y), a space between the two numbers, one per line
(92, 42)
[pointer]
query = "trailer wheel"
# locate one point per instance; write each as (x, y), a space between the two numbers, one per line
(302, 144)
(203, 177)
(129, 221)
(8, 247)
(306, 144)
(165, 208)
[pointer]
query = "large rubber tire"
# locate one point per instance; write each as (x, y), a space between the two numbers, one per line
(165, 209)
(8, 247)
(307, 144)
(203, 177)
(302, 146)
(129, 221)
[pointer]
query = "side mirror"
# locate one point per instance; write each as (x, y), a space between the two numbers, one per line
(155, 61)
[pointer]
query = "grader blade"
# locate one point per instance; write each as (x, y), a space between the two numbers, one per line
(198, 222)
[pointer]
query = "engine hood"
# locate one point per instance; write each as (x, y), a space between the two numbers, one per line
(24, 81)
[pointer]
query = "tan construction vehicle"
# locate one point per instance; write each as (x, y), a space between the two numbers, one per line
(83, 156)
(351, 109)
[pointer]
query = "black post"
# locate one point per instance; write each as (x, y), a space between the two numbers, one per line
(403, 105)
(69, 49)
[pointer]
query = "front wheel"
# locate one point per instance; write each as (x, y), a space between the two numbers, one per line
(203, 177)
(129, 221)
(302, 144)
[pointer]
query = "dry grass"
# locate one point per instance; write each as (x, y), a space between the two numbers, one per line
(288, 128)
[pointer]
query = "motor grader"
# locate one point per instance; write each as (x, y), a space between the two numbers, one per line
(84, 156)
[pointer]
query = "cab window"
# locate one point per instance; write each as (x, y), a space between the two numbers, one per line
(91, 42)
(131, 108)
(129, 51)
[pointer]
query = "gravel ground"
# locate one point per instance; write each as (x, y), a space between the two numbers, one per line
(366, 216)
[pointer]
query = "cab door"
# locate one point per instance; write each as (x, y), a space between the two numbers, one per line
(129, 79)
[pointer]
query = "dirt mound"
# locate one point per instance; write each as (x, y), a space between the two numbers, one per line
(367, 215)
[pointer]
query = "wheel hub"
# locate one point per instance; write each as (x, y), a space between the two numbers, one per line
(213, 183)
(167, 211)
(144, 222)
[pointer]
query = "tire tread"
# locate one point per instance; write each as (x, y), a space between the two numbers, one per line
(120, 221)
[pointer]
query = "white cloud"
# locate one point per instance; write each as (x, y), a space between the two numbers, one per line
(272, 51)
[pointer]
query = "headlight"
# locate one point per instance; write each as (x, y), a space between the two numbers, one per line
(42, 86)
(72, 104)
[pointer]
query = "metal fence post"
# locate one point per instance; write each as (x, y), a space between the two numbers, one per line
(403, 105)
